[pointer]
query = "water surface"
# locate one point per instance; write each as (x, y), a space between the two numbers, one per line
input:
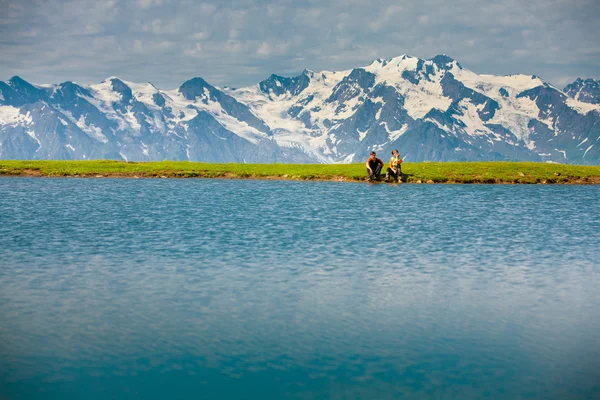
(216, 289)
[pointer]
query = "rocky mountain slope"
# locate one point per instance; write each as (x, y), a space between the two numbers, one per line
(587, 90)
(429, 109)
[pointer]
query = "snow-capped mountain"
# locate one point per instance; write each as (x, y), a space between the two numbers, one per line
(428, 109)
(587, 90)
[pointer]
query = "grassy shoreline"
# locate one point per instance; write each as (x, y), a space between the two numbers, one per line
(426, 172)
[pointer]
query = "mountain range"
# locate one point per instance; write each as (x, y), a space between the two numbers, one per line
(429, 109)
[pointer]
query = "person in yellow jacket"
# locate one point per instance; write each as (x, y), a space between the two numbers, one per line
(395, 167)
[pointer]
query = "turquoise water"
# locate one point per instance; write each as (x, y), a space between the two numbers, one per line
(216, 289)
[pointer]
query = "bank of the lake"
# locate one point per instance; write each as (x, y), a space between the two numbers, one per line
(424, 172)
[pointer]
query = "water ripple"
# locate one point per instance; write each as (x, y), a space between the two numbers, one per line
(254, 289)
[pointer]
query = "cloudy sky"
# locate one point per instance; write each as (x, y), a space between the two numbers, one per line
(241, 42)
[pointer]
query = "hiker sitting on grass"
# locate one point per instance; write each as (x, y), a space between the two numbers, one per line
(395, 167)
(374, 166)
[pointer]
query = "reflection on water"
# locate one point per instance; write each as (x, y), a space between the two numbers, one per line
(255, 289)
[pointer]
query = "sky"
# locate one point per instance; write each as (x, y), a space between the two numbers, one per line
(240, 42)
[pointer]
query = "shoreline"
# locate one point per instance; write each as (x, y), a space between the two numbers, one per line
(413, 173)
(569, 181)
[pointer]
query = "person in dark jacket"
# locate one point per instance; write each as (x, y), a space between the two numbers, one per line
(374, 166)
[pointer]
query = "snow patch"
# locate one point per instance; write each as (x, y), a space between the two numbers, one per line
(490, 85)
(581, 107)
(12, 115)
(92, 130)
(438, 124)
(530, 145)
(180, 105)
(362, 134)
(419, 100)
(104, 92)
(470, 117)
(132, 121)
(393, 135)
(144, 92)
(349, 158)
(31, 133)
(584, 140)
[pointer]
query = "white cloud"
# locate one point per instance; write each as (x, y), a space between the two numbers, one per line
(233, 46)
(565, 80)
(194, 51)
(264, 49)
(200, 35)
(275, 11)
(374, 26)
(246, 40)
(207, 9)
(308, 16)
(29, 33)
(267, 49)
(150, 3)
(138, 46)
(159, 27)
(92, 28)
(393, 10)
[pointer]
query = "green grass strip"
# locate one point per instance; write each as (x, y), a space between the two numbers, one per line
(425, 172)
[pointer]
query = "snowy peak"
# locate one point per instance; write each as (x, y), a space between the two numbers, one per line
(118, 86)
(587, 90)
(353, 85)
(276, 86)
(72, 89)
(69, 94)
(8, 96)
(20, 84)
(26, 90)
(112, 91)
(196, 87)
(411, 63)
(159, 99)
(215, 101)
(445, 62)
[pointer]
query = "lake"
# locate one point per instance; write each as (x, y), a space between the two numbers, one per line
(221, 289)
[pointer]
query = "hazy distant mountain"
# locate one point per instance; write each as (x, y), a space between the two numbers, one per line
(587, 90)
(428, 109)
